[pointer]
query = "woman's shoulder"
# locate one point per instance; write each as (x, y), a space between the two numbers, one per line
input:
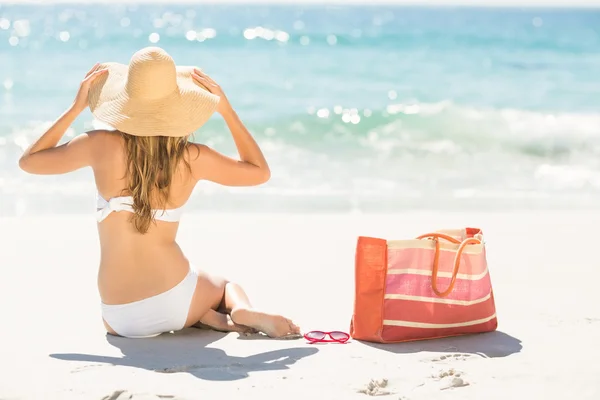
(104, 133)
(104, 137)
(105, 142)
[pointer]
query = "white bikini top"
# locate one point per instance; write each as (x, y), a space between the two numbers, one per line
(124, 203)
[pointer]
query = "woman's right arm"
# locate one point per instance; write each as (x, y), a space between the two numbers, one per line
(251, 169)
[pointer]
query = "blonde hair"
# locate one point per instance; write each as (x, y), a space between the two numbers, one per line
(151, 163)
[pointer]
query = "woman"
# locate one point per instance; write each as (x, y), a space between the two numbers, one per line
(145, 172)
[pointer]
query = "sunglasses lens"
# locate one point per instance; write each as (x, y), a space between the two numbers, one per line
(341, 336)
(315, 335)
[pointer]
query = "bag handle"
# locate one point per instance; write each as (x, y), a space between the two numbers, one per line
(436, 237)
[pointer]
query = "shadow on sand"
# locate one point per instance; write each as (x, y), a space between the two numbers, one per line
(490, 345)
(186, 351)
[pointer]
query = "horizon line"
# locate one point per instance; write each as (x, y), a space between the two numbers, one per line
(411, 3)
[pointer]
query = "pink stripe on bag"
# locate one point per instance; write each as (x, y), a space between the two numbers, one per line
(421, 285)
(422, 259)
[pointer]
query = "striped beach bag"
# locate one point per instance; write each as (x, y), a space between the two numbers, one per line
(434, 286)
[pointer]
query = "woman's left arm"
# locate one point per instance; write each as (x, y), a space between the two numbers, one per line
(44, 157)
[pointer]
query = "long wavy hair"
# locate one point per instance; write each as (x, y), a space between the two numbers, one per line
(151, 163)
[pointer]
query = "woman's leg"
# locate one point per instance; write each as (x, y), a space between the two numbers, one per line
(235, 297)
(273, 325)
(214, 293)
(207, 297)
(236, 303)
(220, 322)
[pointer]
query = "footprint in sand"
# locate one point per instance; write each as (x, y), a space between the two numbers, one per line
(449, 378)
(91, 366)
(455, 383)
(126, 395)
(376, 387)
(453, 357)
(174, 370)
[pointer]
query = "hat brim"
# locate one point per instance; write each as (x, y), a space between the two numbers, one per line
(177, 115)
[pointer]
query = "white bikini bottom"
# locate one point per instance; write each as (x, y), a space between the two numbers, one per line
(150, 317)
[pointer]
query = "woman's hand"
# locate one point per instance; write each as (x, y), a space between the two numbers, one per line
(81, 100)
(206, 81)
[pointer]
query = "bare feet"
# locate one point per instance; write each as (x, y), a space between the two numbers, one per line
(273, 325)
(222, 323)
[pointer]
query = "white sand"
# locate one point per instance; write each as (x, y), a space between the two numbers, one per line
(545, 269)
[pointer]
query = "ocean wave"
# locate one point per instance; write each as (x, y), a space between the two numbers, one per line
(409, 155)
(443, 129)
(401, 130)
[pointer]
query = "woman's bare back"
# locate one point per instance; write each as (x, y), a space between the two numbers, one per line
(134, 266)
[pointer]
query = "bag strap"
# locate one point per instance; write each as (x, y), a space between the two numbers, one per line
(436, 237)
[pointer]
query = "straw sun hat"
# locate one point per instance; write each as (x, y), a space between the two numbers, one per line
(151, 96)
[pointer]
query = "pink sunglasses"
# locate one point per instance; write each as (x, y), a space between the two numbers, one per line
(322, 337)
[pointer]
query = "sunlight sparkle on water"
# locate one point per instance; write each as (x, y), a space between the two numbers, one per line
(202, 35)
(323, 113)
(191, 35)
(351, 116)
(8, 84)
(64, 36)
(154, 37)
(22, 27)
(267, 34)
(282, 36)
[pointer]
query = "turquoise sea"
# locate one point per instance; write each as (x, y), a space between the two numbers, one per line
(358, 108)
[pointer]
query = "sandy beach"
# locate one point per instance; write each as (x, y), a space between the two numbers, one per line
(368, 115)
(544, 271)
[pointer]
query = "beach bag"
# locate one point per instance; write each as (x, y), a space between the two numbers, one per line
(434, 286)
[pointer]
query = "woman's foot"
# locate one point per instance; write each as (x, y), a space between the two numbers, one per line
(222, 323)
(273, 325)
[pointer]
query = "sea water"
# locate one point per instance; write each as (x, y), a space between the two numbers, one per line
(357, 108)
